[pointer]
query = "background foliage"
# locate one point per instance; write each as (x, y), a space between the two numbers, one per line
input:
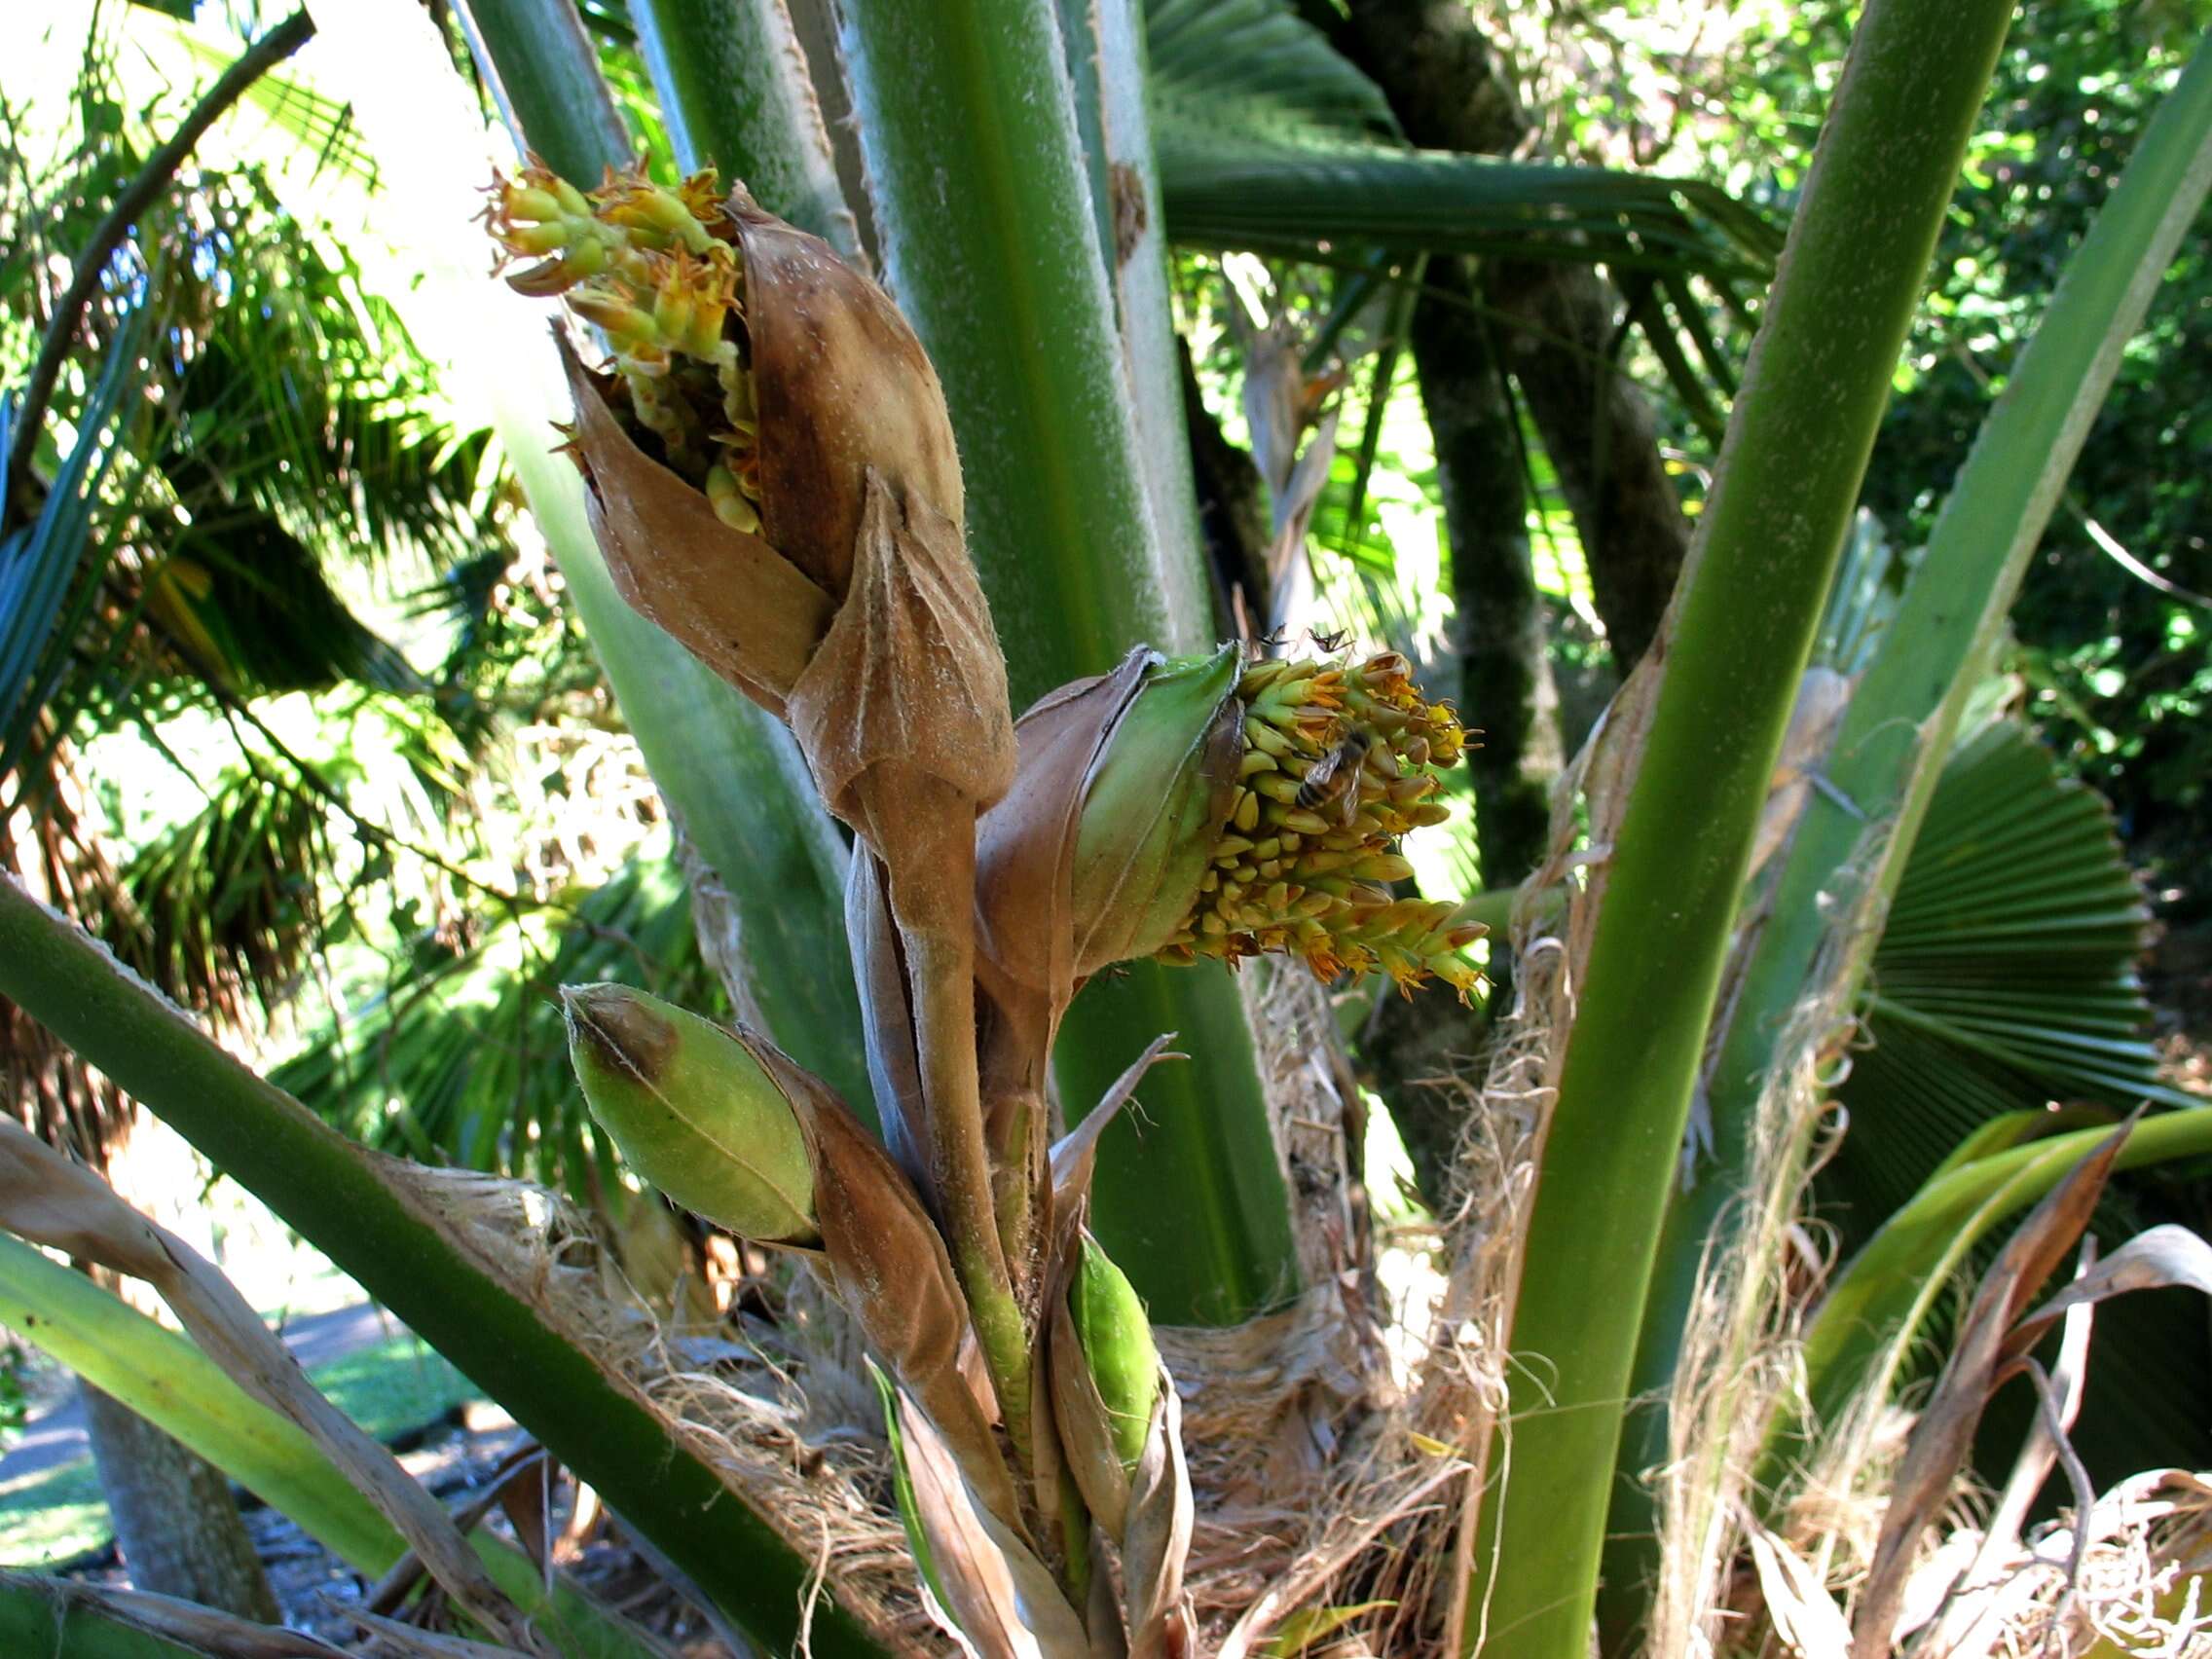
(322, 751)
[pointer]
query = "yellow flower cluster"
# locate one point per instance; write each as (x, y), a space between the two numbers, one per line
(657, 272)
(1337, 764)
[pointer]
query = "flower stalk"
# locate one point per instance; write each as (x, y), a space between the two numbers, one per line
(773, 479)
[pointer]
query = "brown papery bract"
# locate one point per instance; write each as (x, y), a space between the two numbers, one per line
(730, 599)
(1024, 855)
(1156, 1539)
(908, 681)
(1025, 844)
(843, 388)
(891, 1270)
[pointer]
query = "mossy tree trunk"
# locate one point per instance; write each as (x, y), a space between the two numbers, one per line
(1445, 86)
(1598, 430)
(1505, 682)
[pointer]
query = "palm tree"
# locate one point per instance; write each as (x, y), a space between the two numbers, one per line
(1627, 936)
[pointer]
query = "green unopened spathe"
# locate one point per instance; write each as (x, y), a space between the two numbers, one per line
(1115, 1336)
(694, 1113)
(1154, 808)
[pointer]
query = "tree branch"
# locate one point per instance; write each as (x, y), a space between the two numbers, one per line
(140, 194)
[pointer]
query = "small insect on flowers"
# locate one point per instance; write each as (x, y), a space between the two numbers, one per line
(1334, 777)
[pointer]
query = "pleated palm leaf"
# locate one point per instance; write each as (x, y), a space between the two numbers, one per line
(2006, 978)
(1269, 139)
(2006, 982)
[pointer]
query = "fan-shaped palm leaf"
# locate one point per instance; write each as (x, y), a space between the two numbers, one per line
(1255, 68)
(2006, 978)
(2006, 981)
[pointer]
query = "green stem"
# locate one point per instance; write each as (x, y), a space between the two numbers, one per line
(1137, 245)
(1768, 545)
(931, 894)
(545, 77)
(336, 1195)
(734, 93)
(1006, 282)
(1900, 728)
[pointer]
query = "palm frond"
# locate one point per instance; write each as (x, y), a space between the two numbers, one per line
(1293, 196)
(1245, 67)
(245, 606)
(297, 389)
(1268, 140)
(2005, 982)
(42, 562)
(298, 449)
(322, 127)
(2005, 977)
(219, 911)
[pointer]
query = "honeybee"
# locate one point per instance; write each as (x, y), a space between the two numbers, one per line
(1334, 777)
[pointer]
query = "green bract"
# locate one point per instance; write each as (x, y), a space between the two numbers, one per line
(1154, 806)
(693, 1112)
(1116, 1335)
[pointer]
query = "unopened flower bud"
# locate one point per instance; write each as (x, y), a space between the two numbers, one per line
(1224, 809)
(695, 1112)
(772, 477)
(1115, 1336)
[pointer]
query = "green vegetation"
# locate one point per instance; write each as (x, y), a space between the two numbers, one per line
(1710, 495)
(388, 1387)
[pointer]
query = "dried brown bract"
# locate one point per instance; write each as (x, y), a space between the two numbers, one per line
(774, 481)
